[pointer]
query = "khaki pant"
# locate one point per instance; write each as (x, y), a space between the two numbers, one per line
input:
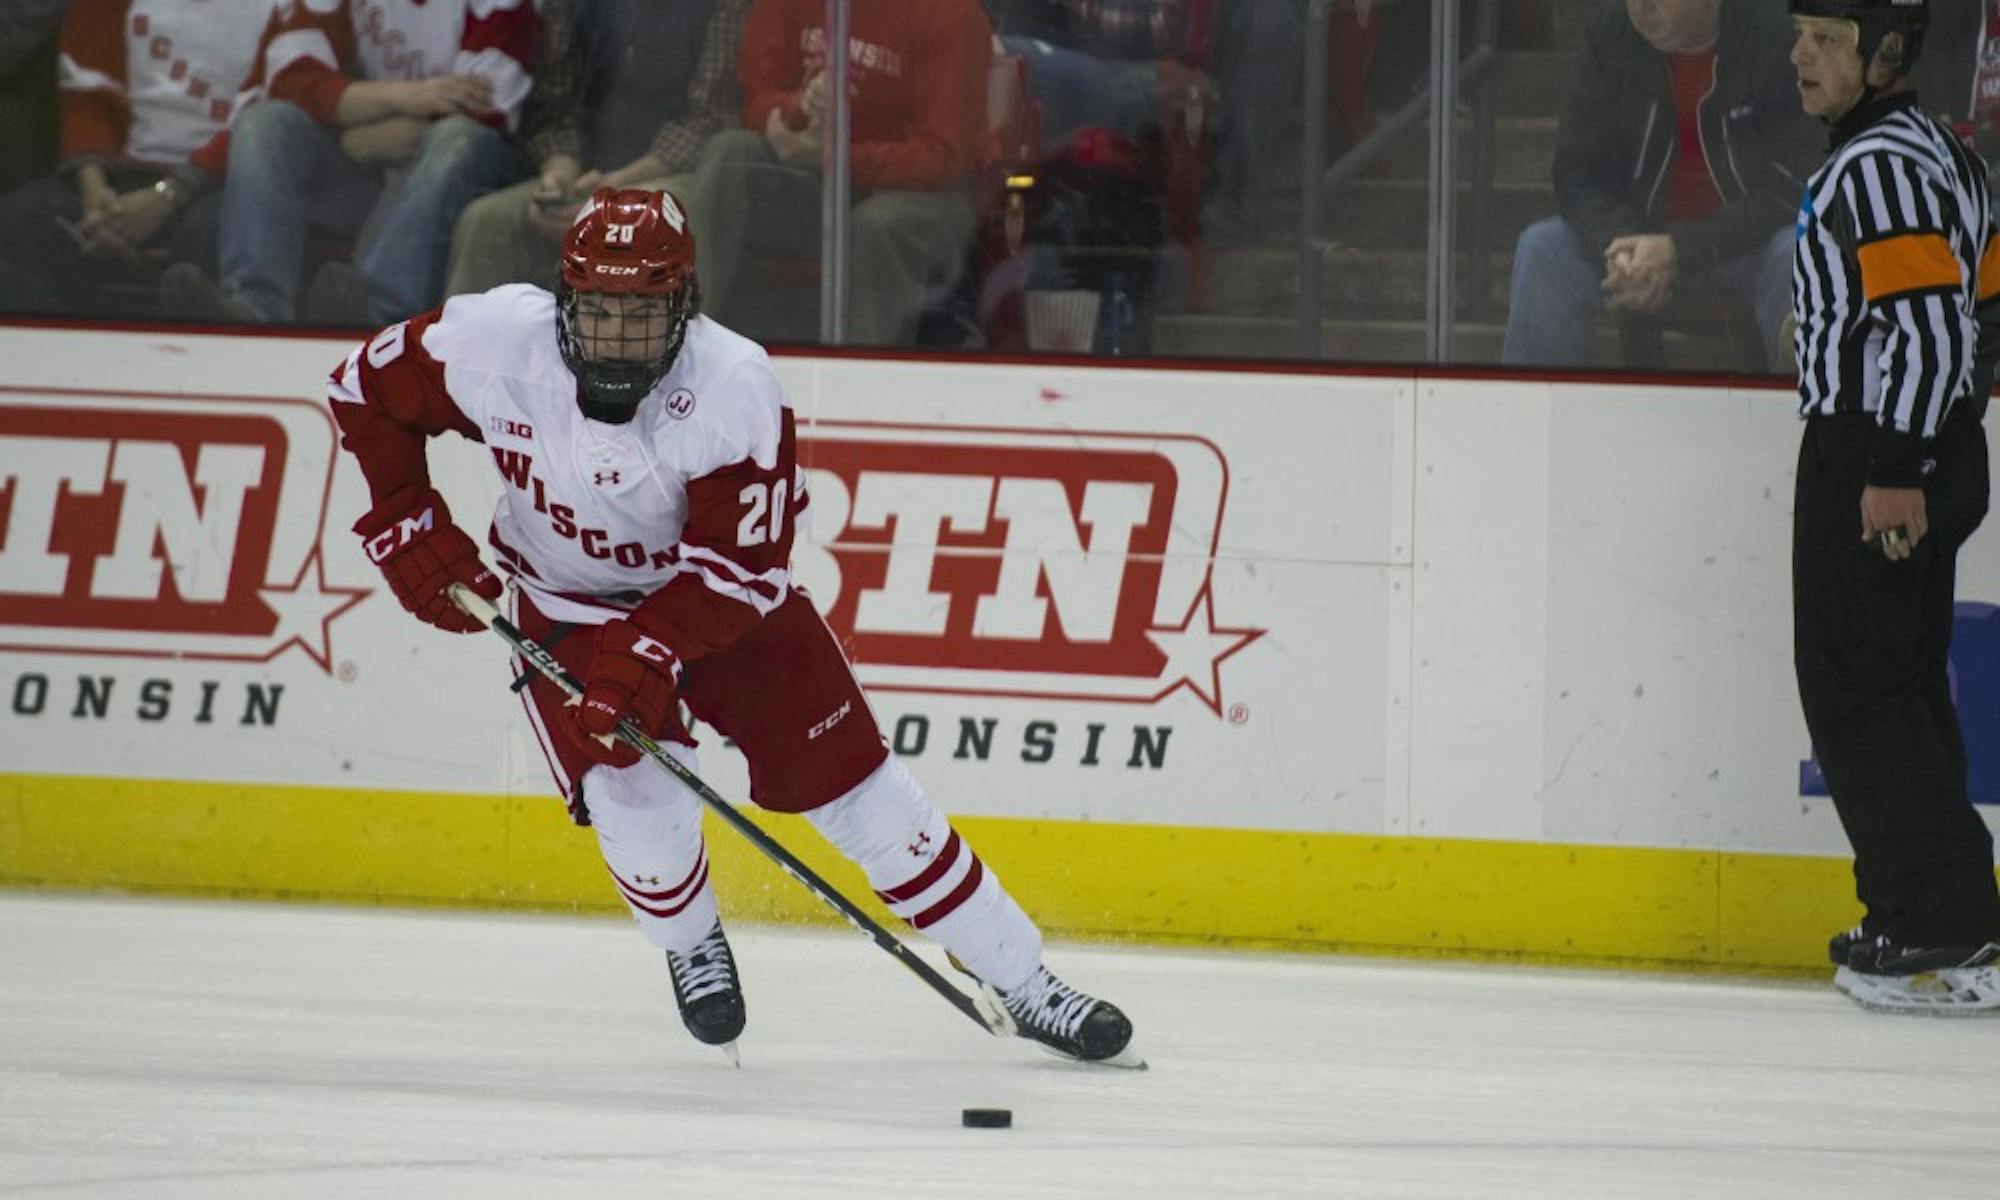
(899, 241)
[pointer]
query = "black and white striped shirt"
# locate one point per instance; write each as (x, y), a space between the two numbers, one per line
(1897, 251)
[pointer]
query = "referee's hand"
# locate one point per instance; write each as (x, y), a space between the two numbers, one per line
(1894, 519)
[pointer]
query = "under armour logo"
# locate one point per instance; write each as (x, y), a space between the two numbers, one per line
(918, 847)
(603, 477)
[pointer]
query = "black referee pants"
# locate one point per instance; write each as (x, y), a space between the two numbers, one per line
(1870, 640)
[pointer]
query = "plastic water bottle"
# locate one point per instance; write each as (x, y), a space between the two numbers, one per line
(1115, 334)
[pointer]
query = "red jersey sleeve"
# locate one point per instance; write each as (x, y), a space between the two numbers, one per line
(769, 65)
(389, 398)
(501, 41)
(95, 111)
(734, 554)
(308, 56)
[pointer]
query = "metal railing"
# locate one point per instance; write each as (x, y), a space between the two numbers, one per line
(836, 188)
(1438, 104)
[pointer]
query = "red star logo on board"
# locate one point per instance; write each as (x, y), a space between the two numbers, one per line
(1195, 651)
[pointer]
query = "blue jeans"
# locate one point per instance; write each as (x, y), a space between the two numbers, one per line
(1256, 66)
(287, 173)
(1078, 90)
(1555, 301)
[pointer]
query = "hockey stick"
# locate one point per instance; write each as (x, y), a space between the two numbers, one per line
(541, 660)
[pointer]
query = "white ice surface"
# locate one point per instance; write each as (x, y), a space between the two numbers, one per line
(170, 1048)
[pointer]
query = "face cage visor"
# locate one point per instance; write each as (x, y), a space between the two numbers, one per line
(617, 361)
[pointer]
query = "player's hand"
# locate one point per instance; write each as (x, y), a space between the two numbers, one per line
(1894, 519)
(411, 537)
(632, 675)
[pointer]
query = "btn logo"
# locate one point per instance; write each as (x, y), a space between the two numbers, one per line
(179, 527)
(1021, 562)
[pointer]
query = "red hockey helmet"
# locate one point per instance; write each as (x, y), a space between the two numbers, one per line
(627, 293)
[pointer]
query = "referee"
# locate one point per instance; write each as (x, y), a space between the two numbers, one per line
(1896, 291)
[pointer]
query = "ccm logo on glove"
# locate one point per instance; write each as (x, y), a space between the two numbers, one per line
(631, 675)
(401, 534)
(653, 651)
(410, 536)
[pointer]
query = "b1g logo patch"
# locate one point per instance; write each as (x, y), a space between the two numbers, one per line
(1021, 563)
(165, 526)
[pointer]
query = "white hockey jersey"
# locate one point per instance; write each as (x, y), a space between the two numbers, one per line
(150, 81)
(684, 514)
(317, 47)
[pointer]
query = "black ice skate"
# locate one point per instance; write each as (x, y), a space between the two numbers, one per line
(1068, 1022)
(709, 993)
(1883, 975)
(1840, 944)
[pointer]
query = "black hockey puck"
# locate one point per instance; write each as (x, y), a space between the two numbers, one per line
(988, 1118)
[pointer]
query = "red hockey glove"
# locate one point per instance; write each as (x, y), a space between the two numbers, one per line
(632, 675)
(421, 553)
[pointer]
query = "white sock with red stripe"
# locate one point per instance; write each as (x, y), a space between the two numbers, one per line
(930, 877)
(649, 831)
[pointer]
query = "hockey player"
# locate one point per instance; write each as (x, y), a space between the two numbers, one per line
(651, 491)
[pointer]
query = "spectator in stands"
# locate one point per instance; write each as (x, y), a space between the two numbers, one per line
(627, 93)
(144, 83)
(1125, 65)
(917, 73)
(382, 118)
(1097, 62)
(1680, 159)
(27, 89)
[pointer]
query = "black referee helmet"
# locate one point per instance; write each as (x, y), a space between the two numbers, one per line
(1876, 19)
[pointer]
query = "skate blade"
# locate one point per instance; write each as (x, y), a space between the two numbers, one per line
(730, 1052)
(1955, 992)
(1128, 1059)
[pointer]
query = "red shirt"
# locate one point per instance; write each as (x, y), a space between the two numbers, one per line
(916, 76)
(1691, 192)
